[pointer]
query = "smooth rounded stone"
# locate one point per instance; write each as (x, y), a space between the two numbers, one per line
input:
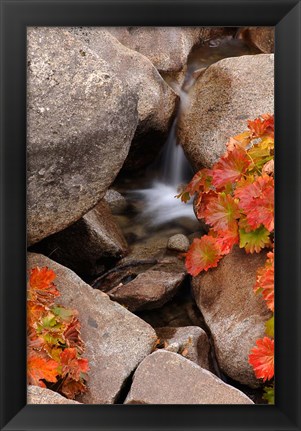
(178, 242)
(189, 341)
(116, 340)
(222, 100)
(83, 245)
(235, 315)
(262, 37)
(150, 289)
(168, 378)
(156, 99)
(37, 395)
(166, 47)
(116, 201)
(81, 118)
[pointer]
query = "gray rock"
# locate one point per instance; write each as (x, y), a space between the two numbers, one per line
(235, 315)
(156, 100)
(37, 395)
(178, 242)
(116, 201)
(189, 341)
(224, 97)
(81, 118)
(116, 340)
(166, 47)
(150, 289)
(168, 378)
(83, 245)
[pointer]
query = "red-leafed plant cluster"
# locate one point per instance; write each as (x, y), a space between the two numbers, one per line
(262, 355)
(236, 200)
(53, 335)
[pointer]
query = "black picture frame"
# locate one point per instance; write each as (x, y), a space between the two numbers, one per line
(16, 15)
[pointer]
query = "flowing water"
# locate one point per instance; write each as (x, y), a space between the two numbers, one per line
(160, 203)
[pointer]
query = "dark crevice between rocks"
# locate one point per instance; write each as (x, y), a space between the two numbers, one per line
(125, 389)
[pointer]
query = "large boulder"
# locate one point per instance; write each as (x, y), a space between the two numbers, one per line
(81, 118)
(156, 100)
(221, 101)
(116, 340)
(86, 244)
(235, 315)
(166, 47)
(168, 378)
(37, 395)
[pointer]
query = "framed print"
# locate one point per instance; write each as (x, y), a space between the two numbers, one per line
(150, 190)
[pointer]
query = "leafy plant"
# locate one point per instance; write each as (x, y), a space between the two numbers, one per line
(262, 355)
(235, 198)
(54, 345)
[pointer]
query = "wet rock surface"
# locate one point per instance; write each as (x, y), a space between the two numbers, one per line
(116, 340)
(221, 101)
(234, 314)
(83, 246)
(189, 341)
(76, 106)
(168, 378)
(37, 395)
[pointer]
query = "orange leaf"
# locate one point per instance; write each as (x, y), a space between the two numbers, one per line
(41, 287)
(262, 358)
(222, 212)
(40, 367)
(204, 253)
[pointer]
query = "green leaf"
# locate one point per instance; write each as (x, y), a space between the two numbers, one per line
(269, 327)
(65, 314)
(255, 240)
(269, 394)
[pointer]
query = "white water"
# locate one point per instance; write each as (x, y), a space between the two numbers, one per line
(160, 203)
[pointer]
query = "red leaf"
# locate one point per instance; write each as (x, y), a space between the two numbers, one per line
(227, 239)
(256, 200)
(204, 253)
(71, 365)
(261, 126)
(230, 167)
(222, 212)
(265, 281)
(262, 358)
(40, 367)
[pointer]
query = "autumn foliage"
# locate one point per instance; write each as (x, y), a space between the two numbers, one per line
(236, 200)
(54, 344)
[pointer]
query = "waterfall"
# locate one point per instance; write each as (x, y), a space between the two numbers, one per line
(160, 203)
